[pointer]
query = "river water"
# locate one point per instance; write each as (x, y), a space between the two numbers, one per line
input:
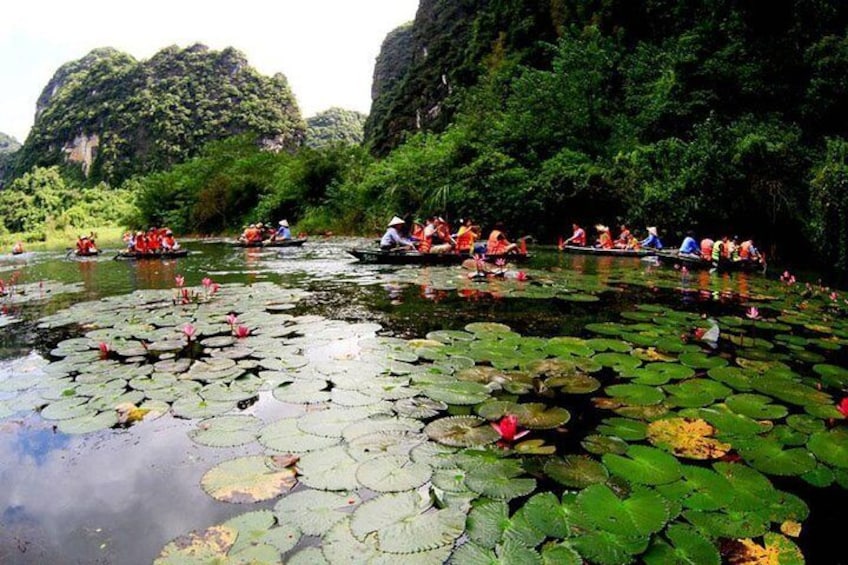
(120, 495)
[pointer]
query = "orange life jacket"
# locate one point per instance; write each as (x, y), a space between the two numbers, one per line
(141, 244)
(465, 239)
(497, 243)
(605, 240)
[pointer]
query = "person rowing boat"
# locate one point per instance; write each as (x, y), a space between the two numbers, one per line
(392, 240)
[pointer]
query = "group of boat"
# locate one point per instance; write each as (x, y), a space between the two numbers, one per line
(670, 257)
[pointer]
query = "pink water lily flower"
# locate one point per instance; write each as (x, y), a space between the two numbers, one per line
(833, 296)
(232, 319)
(189, 331)
(508, 428)
(521, 276)
(180, 280)
(753, 313)
(500, 262)
(214, 288)
(104, 349)
(207, 282)
(242, 331)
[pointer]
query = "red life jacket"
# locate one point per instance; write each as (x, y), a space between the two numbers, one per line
(497, 243)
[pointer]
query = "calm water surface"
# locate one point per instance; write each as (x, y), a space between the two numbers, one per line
(119, 496)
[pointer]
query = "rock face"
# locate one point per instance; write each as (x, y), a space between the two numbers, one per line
(335, 126)
(112, 117)
(8, 146)
(423, 66)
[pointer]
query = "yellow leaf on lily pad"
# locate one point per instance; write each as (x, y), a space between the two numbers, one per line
(129, 413)
(687, 437)
(791, 528)
(651, 354)
(210, 545)
(777, 551)
(535, 447)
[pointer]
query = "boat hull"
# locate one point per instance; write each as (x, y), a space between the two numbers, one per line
(698, 263)
(414, 258)
(579, 250)
(129, 255)
(281, 243)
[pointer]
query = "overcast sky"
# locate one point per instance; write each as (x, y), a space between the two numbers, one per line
(326, 48)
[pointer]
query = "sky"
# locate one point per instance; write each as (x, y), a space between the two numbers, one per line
(326, 48)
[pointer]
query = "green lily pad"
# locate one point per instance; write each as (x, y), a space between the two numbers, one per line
(831, 447)
(599, 444)
(624, 428)
(545, 513)
(576, 471)
(698, 360)
(644, 465)
(392, 473)
(226, 431)
(771, 457)
(458, 393)
(686, 546)
(639, 395)
(756, 406)
(313, 511)
(642, 513)
(461, 431)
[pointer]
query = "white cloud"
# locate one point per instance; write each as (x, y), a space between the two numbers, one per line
(326, 48)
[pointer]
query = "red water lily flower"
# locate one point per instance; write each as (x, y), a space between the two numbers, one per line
(521, 276)
(242, 331)
(843, 406)
(508, 428)
(104, 349)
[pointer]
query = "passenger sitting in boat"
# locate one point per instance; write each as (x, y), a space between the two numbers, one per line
(604, 237)
(466, 236)
(154, 242)
(623, 238)
(253, 234)
(85, 246)
(719, 250)
(168, 241)
(577, 238)
(283, 232)
(392, 240)
(441, 240)
(747, 252)
(689, 245)
(18, 248)
(653, 240)
(498, 244)
(707, 249)
(632, 243)
(139, 243)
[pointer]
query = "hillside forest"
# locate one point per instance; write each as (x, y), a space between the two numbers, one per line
(713, 116)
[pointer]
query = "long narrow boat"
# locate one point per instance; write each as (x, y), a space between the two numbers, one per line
(159, 255)
(78, 253)
(281, 243)
(414, 258)
(699, 263)
(583, 250)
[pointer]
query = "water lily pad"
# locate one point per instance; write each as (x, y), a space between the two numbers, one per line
(258, 539)
(499, 485)
(831, 447)
(247, 479)
(199, 547)
(644, 465)
(770, 457)
(599, 444)
(624, 428)
(686, 437)
(776, 549)
(331, 469)
(487, 521)
(313, 511)
(576, 471)
(461, 431)
(226, 431)
(639, 395)
(88, 423)
(686, 546)
(545, 513)
(458, 393)
(392, 473)
(640, 514)
(698, 360)
(285, 437)
(756, 406)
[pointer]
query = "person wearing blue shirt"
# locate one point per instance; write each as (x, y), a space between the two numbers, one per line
(283, 232)
(689, 245)
(392, 240)
(652, 241)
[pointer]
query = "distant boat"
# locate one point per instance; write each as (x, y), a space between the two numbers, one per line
(381, 257)
(614, 252)
(278, 243)
(158, 255)
(699, 263)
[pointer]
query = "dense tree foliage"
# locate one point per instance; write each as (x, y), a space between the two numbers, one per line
(142, 117)
(43, 198)
(334, 126)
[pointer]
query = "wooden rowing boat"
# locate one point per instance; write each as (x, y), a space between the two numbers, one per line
(158, 255)
(78, 253)
(699, 263)
(281, 243)
(378, 256)
(615, 252)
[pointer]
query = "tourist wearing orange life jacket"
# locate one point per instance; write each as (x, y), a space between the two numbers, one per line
(604, 238)
(748, 252)
(623, 238)
(578, 237)
(437, 237)
(140, 243)
(466, 236)
(497, 243)
(707, 249)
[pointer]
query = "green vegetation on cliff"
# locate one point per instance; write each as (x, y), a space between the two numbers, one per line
(334, 126)
(115, 117)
